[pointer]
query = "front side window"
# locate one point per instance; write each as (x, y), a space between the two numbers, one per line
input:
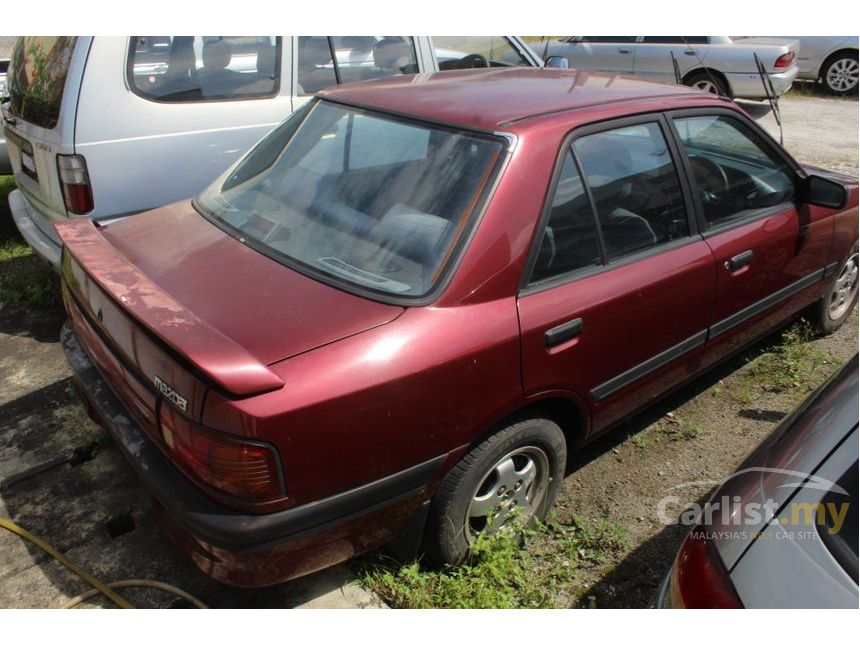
(466, 52)
(569, 240)
(324, 61)
(635, 188)
(39, 67)
(358, 198)
(736, 173)
(204, 68)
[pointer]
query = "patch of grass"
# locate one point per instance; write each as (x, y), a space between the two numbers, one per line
(25, 278)
(793, 362)
(522, 569)
(7, 226)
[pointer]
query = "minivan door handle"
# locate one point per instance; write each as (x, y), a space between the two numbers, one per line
(563, 332)
(739, 261)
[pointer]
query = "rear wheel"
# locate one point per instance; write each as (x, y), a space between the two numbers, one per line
(511, 478)
(841, 73)
(841, 295)
(711, 83)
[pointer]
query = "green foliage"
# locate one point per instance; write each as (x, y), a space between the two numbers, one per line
(26, 278)
(793, 362)
(525, 568)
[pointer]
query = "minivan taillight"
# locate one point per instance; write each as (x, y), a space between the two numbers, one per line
(784, 61)
(699, 577)
(75, 184)
(245, 469)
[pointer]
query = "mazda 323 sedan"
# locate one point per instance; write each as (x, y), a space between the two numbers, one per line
(398, 314)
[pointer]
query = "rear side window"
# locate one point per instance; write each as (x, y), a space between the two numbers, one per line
(204, 68)
(569, 239)
(607, 39)
(676, 40)
(37, 78)
(635, 188)
(736, 173)
(324, 61)
(465, 52)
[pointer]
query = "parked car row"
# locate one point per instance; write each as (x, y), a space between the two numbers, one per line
(456, 280)
(457, 277)
(183, 108)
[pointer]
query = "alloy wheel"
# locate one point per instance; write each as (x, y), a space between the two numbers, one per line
(706, 86)
(842, 75)
(843, 291)
(512, 490)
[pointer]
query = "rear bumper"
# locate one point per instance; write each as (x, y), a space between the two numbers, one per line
(24, 219)
(254, 550)
(749, 86)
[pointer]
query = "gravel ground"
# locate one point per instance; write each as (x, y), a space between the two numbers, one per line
(61, 478)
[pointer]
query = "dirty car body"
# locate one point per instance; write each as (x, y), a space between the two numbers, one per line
(297, 361)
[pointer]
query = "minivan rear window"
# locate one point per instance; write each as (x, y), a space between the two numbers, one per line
(37, 78)
(180, 69)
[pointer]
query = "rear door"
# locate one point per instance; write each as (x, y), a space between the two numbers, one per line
(616, 303)
(654, 56)
(770, 249)
(39, 119)
(603, 53)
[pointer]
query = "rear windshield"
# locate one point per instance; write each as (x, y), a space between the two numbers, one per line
(355, 197)
(37, 78)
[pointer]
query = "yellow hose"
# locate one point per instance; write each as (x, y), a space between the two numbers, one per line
(99, 587)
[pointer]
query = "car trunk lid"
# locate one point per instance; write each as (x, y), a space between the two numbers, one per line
(220, 309)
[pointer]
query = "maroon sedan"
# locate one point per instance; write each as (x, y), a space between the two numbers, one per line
(395, 318)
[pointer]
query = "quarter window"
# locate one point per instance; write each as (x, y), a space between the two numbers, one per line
(465, 52)
(324, 61)
(204, 68)
(569, 239)
(736, 173)
(635, 188)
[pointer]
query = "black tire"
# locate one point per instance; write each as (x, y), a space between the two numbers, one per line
(712, 80)
(821, 314)
(446, 538)
(839, 73)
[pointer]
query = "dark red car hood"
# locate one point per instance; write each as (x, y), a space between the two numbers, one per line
(270, 310)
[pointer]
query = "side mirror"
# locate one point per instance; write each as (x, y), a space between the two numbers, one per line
(557, 62)
(821, 191)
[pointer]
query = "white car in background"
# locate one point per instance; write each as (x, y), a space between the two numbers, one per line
(829, 59)
(715, 64)
(105, 127)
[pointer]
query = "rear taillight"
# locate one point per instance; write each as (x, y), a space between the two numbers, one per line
(244, 469)
(75, 184)
(699, 577)
(785, 60)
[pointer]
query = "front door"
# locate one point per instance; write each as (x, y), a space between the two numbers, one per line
(620, 290)
(770, 250)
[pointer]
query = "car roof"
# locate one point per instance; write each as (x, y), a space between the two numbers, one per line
(490, 99)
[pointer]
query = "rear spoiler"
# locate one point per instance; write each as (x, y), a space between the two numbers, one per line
(217, 357)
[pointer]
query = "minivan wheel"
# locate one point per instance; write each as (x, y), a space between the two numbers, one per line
(510, 478)
(841, 295)
(841, 73)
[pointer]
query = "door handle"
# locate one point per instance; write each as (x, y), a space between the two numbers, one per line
(623, 50)
(690, 52)
(563, 332)
(739, 261)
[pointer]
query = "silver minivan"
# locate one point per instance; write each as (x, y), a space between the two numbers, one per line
(106, 127)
